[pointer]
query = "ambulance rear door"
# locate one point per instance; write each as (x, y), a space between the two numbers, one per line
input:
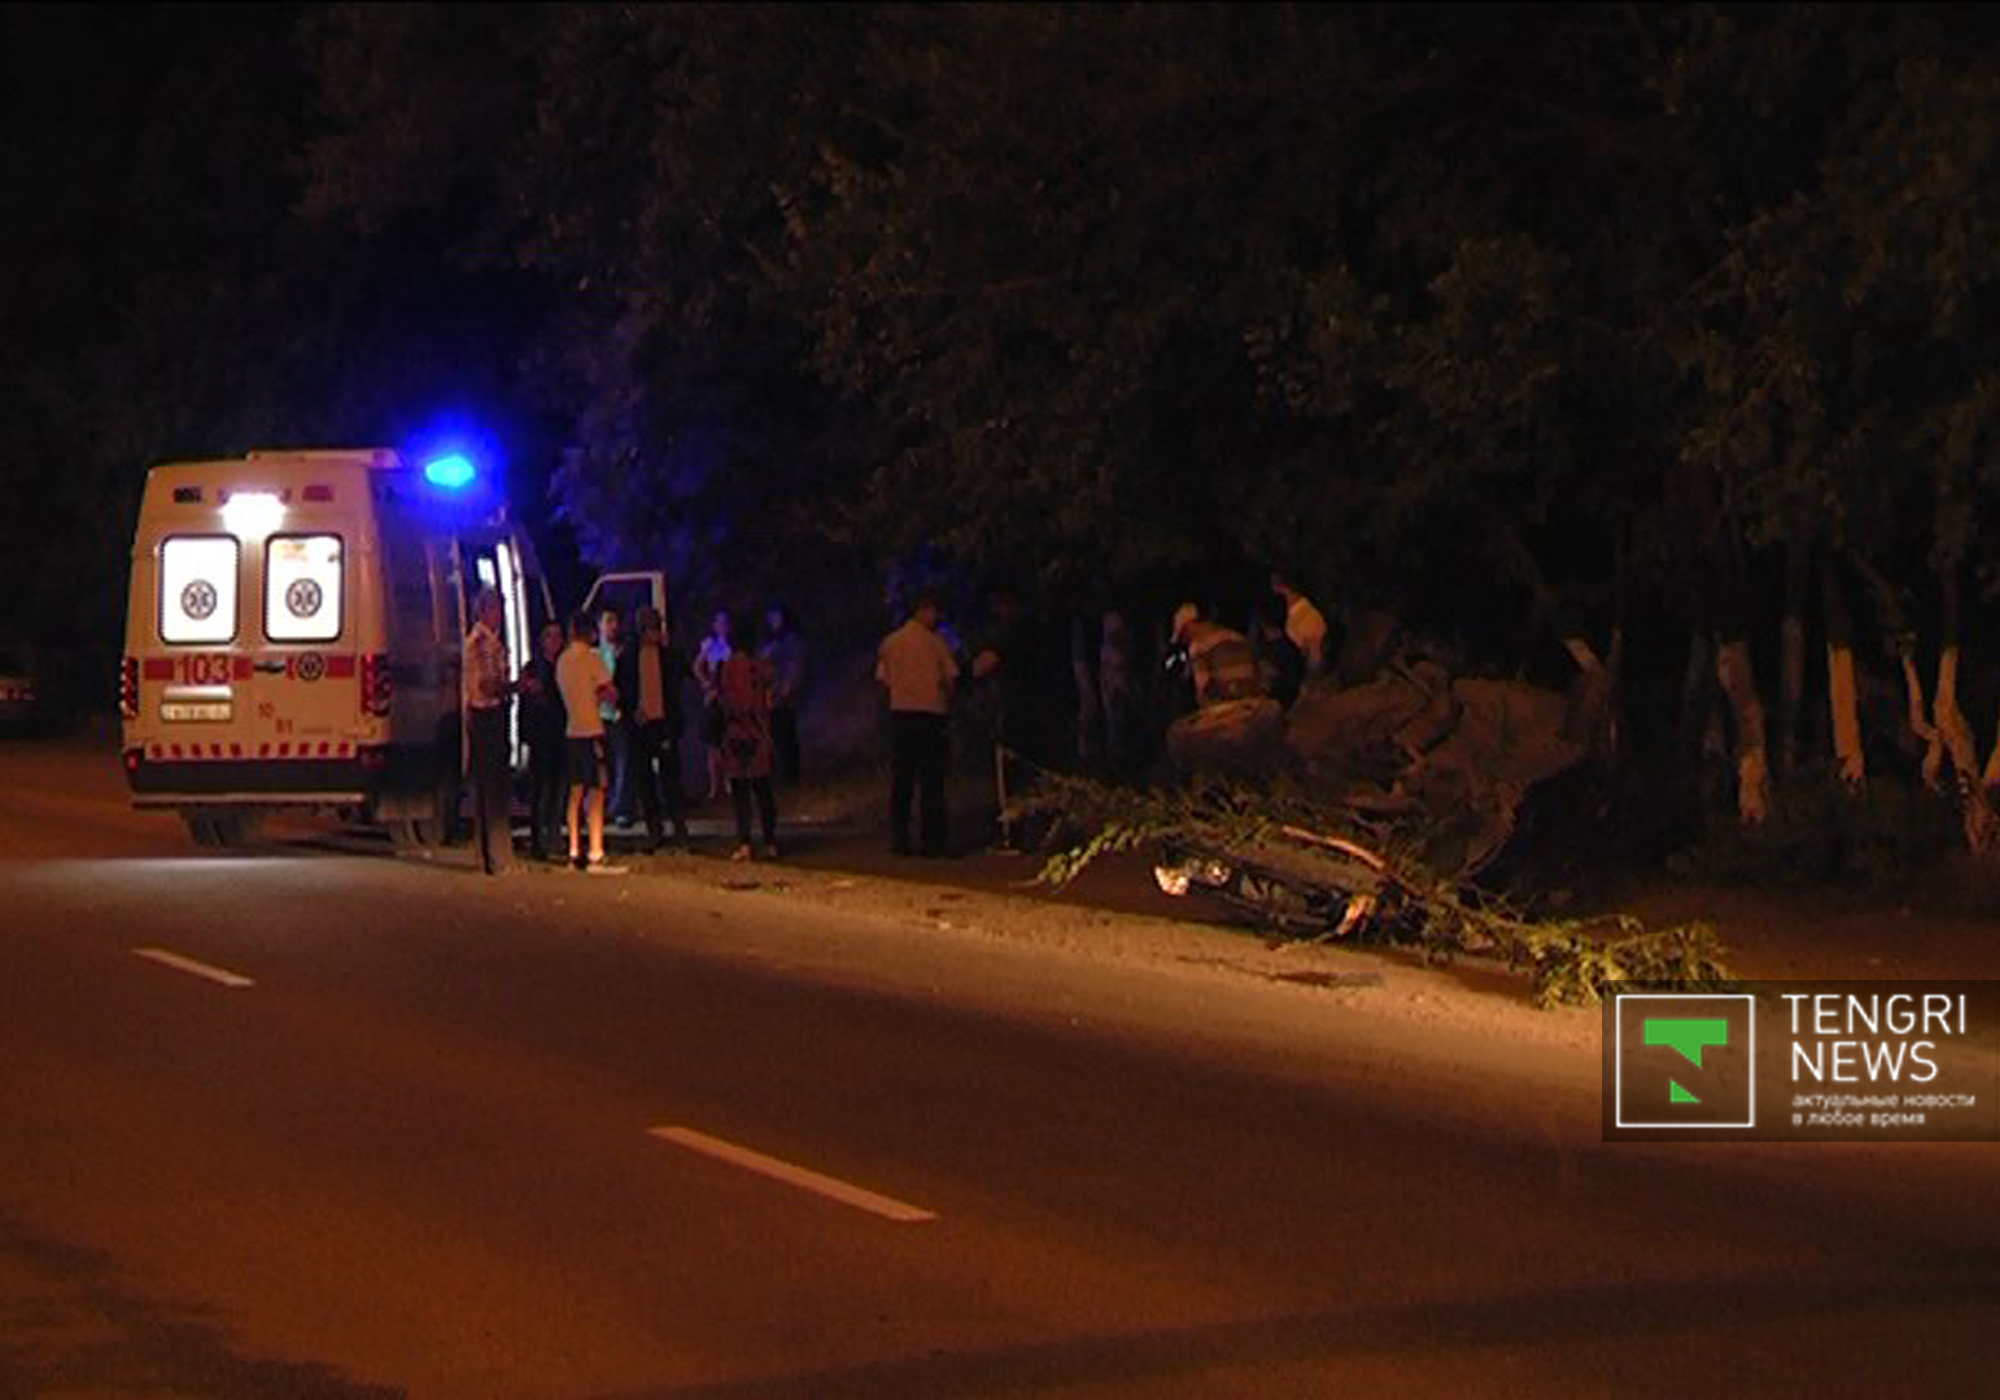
(306, 693)
(501, 558)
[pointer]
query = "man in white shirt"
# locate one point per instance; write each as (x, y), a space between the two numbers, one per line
(1305, 625)
(586, 686)
(918, 670)
(487, 692)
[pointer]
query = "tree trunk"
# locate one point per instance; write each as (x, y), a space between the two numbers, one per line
(1920, 725)
(1753, 766)
(1982, 823)
(1691, 751)
(1792, 658)
(1842, 700)
(1990, 779)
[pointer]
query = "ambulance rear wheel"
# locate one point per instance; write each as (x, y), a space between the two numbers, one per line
(422, 834)
(441, 828)
(222, 828)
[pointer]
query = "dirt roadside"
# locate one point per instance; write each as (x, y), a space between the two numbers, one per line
(1942, 930)
(836, 853)
(835, 846)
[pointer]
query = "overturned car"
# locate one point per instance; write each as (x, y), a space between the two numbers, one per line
(1432, 766)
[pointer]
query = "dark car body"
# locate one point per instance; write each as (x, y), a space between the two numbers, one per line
(27, 690)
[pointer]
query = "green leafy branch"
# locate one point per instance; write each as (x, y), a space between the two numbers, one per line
(1572, 962)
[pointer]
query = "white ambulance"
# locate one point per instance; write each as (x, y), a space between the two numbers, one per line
(294, 637)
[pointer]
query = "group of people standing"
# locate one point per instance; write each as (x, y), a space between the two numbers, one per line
(1084, 696)
(602, 712)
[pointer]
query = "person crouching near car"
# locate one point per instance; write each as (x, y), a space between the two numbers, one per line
(1235, 728)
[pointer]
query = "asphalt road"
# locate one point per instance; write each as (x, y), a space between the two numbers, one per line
(327, 1122)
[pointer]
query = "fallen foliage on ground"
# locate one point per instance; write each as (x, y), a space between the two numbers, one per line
(1403, 867)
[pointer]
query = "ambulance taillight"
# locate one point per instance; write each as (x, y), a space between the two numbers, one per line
(376, 688)
(128, 688)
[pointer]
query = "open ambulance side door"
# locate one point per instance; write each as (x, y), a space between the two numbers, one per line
(626, 593)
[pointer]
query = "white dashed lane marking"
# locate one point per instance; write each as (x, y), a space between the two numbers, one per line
(218, 975)
(805, 1179)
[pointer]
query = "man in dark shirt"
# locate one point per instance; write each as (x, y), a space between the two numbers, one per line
(542, 723)
(649, 677)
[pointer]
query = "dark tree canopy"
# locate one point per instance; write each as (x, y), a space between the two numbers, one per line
(1536, 320)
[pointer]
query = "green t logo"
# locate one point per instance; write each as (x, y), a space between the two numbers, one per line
(1690, 1036)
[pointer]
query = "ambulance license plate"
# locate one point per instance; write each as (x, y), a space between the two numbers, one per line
(198, 711)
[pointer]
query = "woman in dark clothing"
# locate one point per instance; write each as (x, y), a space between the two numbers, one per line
(743, 687)
(542, 724)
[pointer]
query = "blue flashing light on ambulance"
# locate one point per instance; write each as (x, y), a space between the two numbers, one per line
(451, 472)
(294, 636)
